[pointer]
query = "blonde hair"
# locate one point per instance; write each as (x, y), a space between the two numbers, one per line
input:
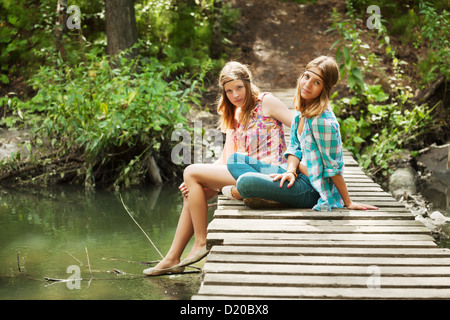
(234, 70)
(330, 76)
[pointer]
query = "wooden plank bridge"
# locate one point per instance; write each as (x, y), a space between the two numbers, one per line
(305, 254)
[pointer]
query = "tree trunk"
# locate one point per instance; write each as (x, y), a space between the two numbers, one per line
(121, 30)
(216, 43)
(61, 27)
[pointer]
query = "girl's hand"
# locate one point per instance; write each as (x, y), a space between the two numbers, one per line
(184, 190)
(361, 206)
(289, 176)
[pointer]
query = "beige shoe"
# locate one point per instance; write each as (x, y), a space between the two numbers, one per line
(227, 191)
(199, 256)
(159, 272)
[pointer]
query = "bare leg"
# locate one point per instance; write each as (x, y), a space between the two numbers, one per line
(193, 217)
(197, 177)
(183, 233)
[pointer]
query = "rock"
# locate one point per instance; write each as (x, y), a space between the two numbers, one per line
(427, 222)
(438, 218)
(403, 181)
(435, 158)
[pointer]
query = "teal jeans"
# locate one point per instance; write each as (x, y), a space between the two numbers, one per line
(252, 180)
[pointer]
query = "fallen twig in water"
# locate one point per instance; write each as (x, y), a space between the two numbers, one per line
(81, 263)
(18, 263)
(146, 263)
(61, 280)
(126, 209)
(89, 264)
(117, 271)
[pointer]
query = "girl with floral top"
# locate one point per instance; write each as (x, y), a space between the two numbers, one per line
(253, 123)
(313, 177)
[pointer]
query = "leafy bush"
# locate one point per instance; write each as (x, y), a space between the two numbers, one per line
(376, 125)
(435, 29)
(378, 137)
(108, 120)
(347, 47)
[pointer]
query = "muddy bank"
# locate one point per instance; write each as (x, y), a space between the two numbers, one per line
(12, 141)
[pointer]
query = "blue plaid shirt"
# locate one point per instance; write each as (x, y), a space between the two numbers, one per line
(323, 152)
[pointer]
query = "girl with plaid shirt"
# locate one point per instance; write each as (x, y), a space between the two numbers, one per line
(313, 176)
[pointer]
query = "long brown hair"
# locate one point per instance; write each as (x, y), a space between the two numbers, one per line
(330, 75)
(234, 70)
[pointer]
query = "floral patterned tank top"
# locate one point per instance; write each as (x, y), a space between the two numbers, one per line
(262, 138)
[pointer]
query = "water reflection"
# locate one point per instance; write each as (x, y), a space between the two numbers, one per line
(45, 231)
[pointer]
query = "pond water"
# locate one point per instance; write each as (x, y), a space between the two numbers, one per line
(53, 233)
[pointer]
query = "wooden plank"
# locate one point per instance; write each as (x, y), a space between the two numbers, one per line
(368, 188)
(241, 205)
(340, 252)
(325, 281)
(317, 237)
(248, 213)
(360, 184)
(374, 196)
(217, 227)
(327, 260)
(329, 243)
(381, 200)
(277, 223)
(326, 293)
(284, 226)
(343, 270)
(369, 194)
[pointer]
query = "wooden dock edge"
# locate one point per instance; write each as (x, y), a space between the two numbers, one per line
(306, 254)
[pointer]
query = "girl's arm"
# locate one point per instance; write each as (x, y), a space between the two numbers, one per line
(228, 148)
(339, 182)
(273, 107)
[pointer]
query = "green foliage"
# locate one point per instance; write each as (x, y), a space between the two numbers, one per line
(170, 33)
(27, 35)
(181, 30)
(347, 47)
(90, 122)
(435, 29)
(111, 119)
(380, 134)
(375, 125)
(425, 24)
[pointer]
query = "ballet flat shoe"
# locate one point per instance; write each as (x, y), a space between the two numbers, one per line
(203, 252)
(159, 272)
(226, 191)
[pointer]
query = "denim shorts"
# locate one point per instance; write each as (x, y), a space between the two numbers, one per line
(252, 180)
